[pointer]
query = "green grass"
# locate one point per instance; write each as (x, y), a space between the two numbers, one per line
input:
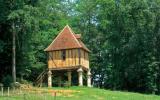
(83, 93)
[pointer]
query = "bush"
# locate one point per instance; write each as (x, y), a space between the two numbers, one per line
(1, 85)
(16, 85)
(7, 80)
(22, 81)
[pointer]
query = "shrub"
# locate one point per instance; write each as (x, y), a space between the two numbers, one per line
(1, 85)
(16, 85)
(7, 80)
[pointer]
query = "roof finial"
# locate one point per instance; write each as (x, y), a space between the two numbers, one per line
(67, 25)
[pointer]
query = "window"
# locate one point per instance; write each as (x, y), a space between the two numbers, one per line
(63, 54)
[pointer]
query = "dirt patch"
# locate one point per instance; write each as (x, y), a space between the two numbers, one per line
(68, 93)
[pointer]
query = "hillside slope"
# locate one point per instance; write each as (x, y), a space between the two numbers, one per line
(80, 93)
(101, 94)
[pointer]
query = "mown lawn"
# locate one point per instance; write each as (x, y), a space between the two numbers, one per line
(82, 93)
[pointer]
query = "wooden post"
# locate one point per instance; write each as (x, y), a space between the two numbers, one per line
(80, 76)
(20, 90)
(88, 78)
(41, 81)
(14, 90)
(49, 78)
(8, 91)
(2, 90)
(69, 73)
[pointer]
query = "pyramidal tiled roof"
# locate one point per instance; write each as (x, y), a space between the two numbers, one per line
(66, 39)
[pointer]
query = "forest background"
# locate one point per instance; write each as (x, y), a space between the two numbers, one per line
(123, 36)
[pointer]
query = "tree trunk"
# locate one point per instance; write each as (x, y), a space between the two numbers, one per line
(13, 53)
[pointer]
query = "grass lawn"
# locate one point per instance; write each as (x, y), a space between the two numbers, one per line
(81, 93)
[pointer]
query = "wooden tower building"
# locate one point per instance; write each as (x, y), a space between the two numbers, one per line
(67, 53)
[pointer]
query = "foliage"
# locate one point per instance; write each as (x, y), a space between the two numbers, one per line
(7, 81)
(123, 36)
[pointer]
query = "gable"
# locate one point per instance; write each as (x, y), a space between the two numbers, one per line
(66, 39)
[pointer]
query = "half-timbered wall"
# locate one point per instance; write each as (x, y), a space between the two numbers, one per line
(84, 60)
(73, 57)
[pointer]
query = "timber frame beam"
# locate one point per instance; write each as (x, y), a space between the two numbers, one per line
(69, 68)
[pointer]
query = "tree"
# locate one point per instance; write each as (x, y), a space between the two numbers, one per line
(14, 54)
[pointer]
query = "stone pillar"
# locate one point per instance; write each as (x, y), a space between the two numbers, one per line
(89, 78)
(69, 73)
(80, 76)
(49, 78)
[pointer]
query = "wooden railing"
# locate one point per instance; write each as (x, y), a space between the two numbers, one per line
(40, 78)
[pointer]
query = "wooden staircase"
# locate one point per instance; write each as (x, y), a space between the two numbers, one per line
(40, 78)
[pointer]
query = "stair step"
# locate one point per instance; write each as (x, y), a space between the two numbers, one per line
(40, 78)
